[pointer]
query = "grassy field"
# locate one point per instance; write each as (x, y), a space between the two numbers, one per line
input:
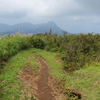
(10, 85)
(85, 81)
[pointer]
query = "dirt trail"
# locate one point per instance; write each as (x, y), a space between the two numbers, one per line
(44, 91)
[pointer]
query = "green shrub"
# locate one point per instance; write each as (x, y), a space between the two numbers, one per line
(12, 44)
(81, 49)
(37, 42)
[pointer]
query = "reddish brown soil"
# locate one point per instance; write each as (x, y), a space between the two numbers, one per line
(36, 85)
(28, 81)
(43, 89)
(41, 86)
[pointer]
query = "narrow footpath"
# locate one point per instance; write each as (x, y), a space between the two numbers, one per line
(44, 91)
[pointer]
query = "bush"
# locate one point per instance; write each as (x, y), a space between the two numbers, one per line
(37, 42)
(81, 49)
(11, 45)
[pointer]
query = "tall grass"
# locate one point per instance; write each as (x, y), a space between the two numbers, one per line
(11, 45)
(11, 88)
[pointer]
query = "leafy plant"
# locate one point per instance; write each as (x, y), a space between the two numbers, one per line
(37, 42)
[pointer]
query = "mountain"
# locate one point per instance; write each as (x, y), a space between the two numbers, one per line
(4, 27)
(27, 27)
(22, 26)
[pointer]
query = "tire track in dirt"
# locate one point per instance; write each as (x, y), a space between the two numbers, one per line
(44, 91)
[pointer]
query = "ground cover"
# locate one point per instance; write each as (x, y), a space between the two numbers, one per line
(10, 85)
(20, 78)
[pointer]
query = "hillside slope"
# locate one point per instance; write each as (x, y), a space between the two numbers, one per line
(82, 84)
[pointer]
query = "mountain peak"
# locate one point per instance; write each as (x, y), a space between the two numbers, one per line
(27, 27)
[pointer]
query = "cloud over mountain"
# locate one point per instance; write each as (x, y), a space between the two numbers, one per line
(67, 14)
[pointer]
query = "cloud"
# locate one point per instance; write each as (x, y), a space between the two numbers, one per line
(66, 13)
(17, 5)
(16, 14)
(50, 8)
(90, 6)
(39, 7)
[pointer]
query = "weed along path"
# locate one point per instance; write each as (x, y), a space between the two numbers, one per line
(44, 91)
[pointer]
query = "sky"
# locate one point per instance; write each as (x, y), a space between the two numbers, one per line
(73, 16)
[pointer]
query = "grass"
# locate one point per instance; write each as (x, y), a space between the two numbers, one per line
(10, 86)
(53, 61)
(85, 81)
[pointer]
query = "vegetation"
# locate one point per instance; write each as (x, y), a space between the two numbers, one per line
(80, 50)
(76, 50)
(37, 42)
(73, 60)
(11, 45)
(84, 82)
(11, 87)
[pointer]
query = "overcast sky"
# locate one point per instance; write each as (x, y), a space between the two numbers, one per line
(74, 16)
